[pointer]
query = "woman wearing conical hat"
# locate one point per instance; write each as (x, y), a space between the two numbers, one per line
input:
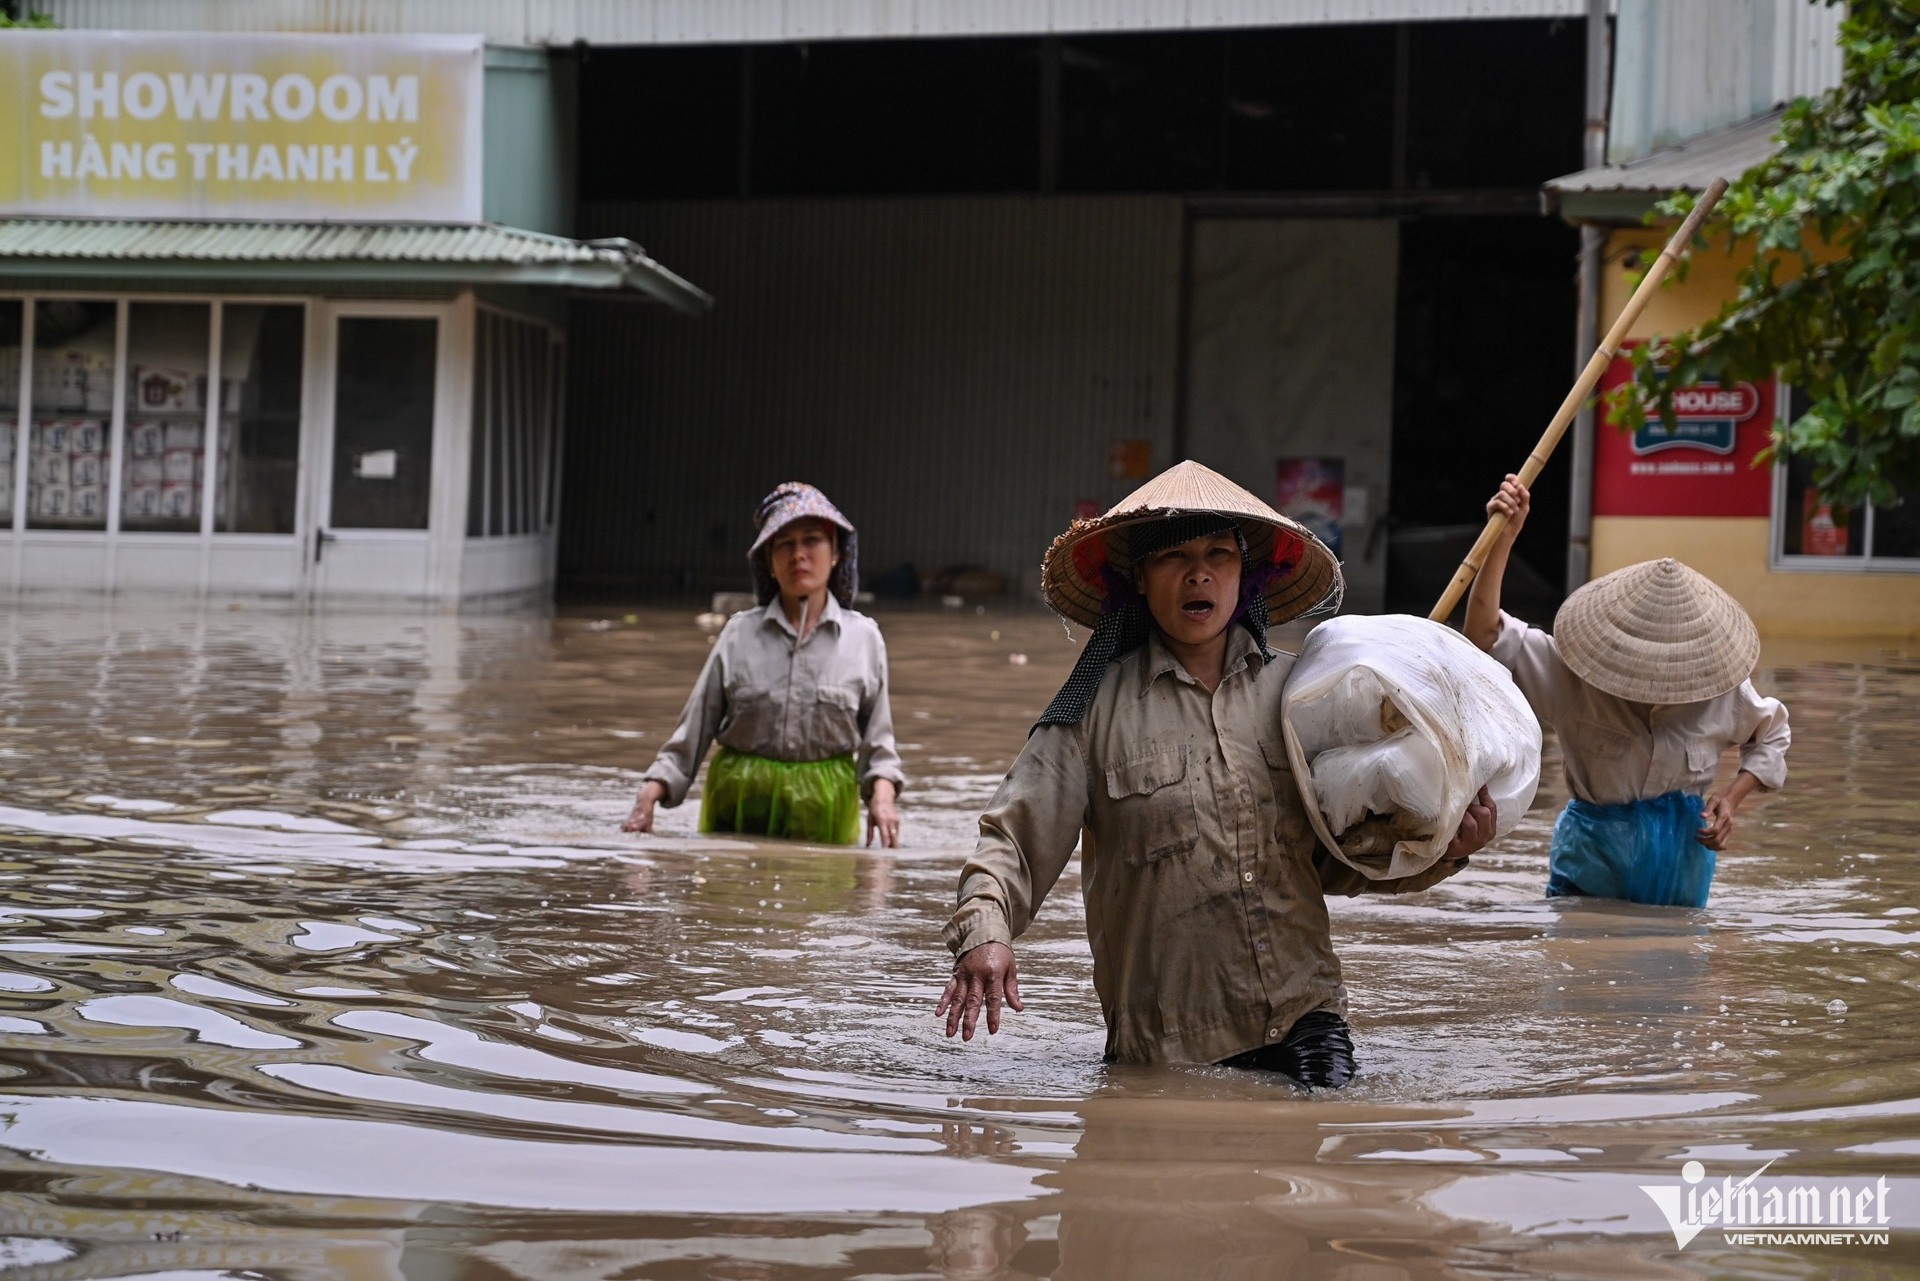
(1162, 757)
(795, 692)
(1645, 679)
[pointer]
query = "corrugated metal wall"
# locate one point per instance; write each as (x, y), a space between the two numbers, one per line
(745, 21)
(1683, 69)
(1002, 346)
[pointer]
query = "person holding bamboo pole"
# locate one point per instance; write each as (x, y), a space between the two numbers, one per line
(1645, 680)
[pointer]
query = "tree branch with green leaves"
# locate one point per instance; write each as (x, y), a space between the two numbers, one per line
(1831, 300)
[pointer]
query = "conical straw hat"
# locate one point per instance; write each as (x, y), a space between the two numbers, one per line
(1657, 632)
(1090, 559)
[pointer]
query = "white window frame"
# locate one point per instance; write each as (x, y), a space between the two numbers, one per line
(22, 539)
(1780, 561)
(124, 302)
(533, 464)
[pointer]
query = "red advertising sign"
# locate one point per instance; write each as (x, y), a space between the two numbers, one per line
(1702, 467)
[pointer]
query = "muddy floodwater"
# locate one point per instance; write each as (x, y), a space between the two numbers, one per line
(321, 957)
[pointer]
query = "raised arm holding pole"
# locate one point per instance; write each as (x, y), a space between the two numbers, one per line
(1582, 388)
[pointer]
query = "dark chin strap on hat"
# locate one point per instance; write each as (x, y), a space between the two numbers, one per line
(1127, 627)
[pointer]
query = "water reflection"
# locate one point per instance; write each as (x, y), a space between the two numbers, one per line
(320, 956)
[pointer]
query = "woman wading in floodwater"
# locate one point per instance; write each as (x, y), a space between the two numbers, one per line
(796, 694)
(1161, 758)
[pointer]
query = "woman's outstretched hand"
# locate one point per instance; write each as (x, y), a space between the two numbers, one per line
(640, 818)
(883, 816)
(983, 978)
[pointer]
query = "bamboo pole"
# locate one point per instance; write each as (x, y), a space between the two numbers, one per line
(1582, 388)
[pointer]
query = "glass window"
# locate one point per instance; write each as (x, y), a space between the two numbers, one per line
(1814, 532)
(500, 427)
(514, 409)
(1810, 527)
(72, 414)
(262, 360)
(527, 405)
(1896, 531)
(556, 353)
(13, 319)
(383, 422)
(166, 390)
(477, 471)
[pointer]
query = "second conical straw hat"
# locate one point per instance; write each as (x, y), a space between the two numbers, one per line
(1657, 632)
(1086, 563)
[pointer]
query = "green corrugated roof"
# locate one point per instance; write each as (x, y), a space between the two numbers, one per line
(319, 252)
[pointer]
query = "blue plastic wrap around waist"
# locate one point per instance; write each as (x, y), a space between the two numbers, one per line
(1644, 851)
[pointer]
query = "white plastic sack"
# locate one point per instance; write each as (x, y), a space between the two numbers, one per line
(1393, 723)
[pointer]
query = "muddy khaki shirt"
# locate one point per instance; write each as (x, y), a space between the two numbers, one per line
(1616, 751)
(767, 692)
(1203, 882)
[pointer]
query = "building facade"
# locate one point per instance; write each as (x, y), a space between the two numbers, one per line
(1703, 494)
(284, 316)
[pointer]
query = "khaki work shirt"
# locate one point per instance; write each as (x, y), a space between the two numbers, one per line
(1616, 751)
(767, 692)
(1203, 881)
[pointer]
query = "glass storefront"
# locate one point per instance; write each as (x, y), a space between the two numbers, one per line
(383, 422)
(165, 468)
(262, 364)
(69, 447)
(306, 447)
(180, 444)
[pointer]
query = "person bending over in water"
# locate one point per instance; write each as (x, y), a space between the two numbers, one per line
(796, 693)
(1162, 755)
(1645, 681)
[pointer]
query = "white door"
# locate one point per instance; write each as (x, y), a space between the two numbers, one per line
(385, 379)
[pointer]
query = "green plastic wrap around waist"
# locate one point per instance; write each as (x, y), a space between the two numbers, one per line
(815, 801)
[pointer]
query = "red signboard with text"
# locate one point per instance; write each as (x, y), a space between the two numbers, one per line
(1702, 468)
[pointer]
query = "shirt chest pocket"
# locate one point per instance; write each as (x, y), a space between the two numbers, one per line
(1703, 758)
(752, 719)
(1153, 806)
(1603, 743)
(836, 724)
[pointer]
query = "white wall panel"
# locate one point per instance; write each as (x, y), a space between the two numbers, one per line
(169, 566)
(1683, 69)
(615, 22)
(265, 566)
(58, 564)
(1291, 356)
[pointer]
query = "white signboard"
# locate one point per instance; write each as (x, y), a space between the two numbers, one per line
(197, 125)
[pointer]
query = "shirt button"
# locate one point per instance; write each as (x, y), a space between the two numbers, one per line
(1246, 876)
(1273, 1034)
(1261, 946)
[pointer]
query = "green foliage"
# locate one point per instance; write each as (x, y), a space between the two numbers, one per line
(1845, 330)
(36, 20)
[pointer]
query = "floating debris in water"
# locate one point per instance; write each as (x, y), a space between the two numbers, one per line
(1017, 660)
(1836, 1006)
